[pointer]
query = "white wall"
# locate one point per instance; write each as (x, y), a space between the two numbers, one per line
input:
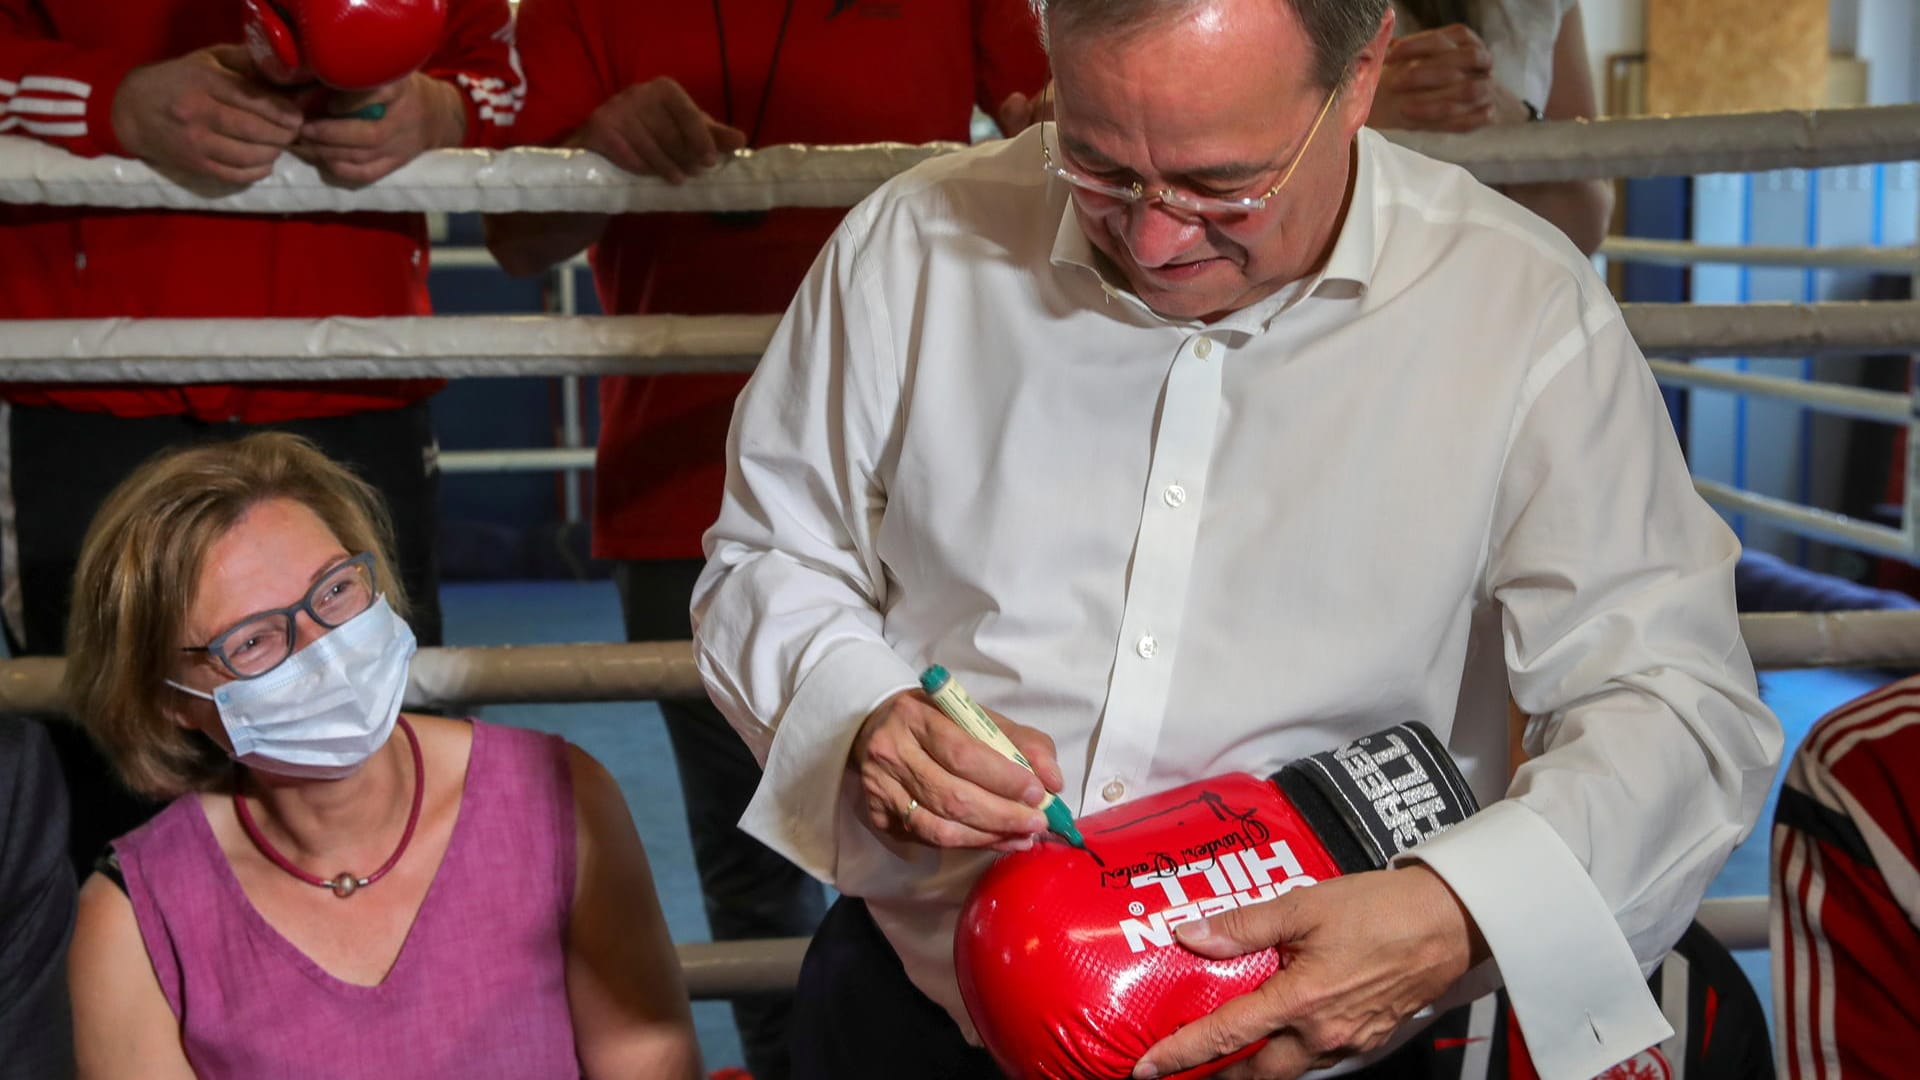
(1884, 33)
(1613, 26)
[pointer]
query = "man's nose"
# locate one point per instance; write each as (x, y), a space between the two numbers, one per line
(1156, 234)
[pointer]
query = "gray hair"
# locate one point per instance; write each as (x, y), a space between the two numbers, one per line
(1339, 29)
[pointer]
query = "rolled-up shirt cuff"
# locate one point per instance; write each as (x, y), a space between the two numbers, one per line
(1576, 988)
(795, 811)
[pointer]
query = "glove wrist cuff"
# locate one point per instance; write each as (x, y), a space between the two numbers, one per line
(1378, 796)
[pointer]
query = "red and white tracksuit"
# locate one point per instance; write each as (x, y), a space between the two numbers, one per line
(61, 64)
(1846, 894)
(841, 71)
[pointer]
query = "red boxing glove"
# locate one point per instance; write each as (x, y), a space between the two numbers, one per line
(1067, 959)
(344, 44)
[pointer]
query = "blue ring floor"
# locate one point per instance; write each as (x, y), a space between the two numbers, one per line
(630, 740)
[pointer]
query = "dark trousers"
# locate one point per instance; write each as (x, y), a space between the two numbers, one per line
(60, 467)
(748, 890)
(858, 1017)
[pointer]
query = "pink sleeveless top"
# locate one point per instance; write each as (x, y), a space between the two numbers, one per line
(478, 989)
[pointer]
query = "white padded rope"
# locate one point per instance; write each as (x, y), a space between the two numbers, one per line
(526, 179)
(510, 674)
(175, 351)
(539, 180)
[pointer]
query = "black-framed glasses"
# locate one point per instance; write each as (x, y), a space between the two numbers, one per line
(262, 641)
(1205, 206)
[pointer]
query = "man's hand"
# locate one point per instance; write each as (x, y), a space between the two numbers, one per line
(1020, 112)
(929, 781)
(416, 114)
(1441, 80)
(1358, 956)
(204, 116)
(655, 129)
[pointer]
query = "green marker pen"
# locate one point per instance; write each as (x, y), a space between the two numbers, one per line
(946, 693)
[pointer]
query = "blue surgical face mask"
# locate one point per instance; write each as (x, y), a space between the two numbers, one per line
(327, 708)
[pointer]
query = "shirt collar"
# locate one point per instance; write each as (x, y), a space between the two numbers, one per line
(1345, 275)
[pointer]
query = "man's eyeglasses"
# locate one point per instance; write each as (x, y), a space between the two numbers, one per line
(261, 642)
(1201, 205)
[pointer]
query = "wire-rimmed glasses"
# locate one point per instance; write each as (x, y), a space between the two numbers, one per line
(1206, 206)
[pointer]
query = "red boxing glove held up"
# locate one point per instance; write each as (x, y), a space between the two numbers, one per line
(1067, 959)
(344, 44)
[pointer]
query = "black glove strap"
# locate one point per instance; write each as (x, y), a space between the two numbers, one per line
(1379, 795)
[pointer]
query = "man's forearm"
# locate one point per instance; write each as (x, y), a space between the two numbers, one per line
(527, 244)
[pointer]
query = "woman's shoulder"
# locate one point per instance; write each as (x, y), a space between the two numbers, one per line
(520, 745)
(443, 739)
(507, 760)
(167, 832)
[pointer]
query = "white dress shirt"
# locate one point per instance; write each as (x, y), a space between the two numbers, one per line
(1437, 469)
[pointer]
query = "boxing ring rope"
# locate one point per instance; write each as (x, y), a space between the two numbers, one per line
(1631, 249)
(651, 671)
(536, 180)
(728, 969)
(1636, 249)
(657, 670)
(172, 351)
(531, 180)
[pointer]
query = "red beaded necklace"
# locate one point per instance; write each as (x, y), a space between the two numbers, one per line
(344, 884)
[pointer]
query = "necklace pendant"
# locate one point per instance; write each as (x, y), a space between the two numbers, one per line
(345, 885)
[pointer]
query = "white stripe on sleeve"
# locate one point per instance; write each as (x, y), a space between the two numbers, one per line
(53, 84)
(1823, 960)
(25, 106)
(56, 85)
(72, 130)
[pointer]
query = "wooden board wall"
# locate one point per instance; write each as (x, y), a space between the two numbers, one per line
(1714, 56)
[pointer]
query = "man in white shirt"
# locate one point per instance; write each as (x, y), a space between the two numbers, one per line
(1198, 434)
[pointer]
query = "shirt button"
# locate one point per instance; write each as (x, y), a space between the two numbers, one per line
(1175, 495)
(1203, 348)
(1113, 791)
(1146, 646)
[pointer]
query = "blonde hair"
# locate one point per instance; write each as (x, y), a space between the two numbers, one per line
(140, 569)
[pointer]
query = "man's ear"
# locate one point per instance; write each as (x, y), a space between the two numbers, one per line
(1363, 76)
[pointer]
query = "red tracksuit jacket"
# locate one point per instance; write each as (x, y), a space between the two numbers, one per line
(1846, 893)
(61, 62)
(842, 71)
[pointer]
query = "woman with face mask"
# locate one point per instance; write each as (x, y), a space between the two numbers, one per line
(337, 888)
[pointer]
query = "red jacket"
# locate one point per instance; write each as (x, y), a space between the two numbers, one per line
(849, 71)
(1846, 892)
(61, 63)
